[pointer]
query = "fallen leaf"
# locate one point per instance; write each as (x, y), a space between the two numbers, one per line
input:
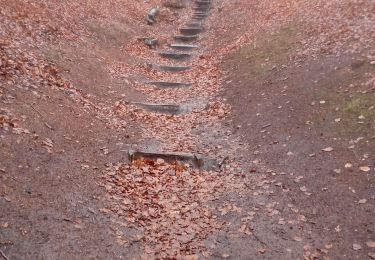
(364, 168)
(104, 210)
(361, 117)
(357, 247)
(262, 250)
(370, 244)
(327, 149)
(362, 201)
(5, 225)
(338, 229)
(328, 246)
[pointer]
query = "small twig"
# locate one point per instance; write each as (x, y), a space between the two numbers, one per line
(36, 110)
(3, 255)
(224, 161)
(265, 126)
(258, 239)
(40, 114)
(47, 125)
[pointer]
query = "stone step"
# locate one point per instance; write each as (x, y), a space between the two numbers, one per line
(179, 46)
(165, 84)
(202, 2)
(171, 68)
(173, 109)
(194, 160)
(202, 9)
(202, 6)
(191, 30)
(186, 38)
(174, 55)
(194, 24)
(200, 13)
(170, 109)
(199, 16)
(198, 19)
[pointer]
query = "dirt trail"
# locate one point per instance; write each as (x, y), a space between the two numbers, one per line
(249, 137)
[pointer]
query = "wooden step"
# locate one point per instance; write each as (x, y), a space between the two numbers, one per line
(172, 68)
(179, 46)
(193, 159)
(166, 84)
(170, 109)
(191, 30)
(186, 38)
(174, 55)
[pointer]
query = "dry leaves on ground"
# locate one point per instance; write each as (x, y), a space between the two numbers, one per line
(167, 204)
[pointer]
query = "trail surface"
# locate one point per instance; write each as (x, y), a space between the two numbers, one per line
(203, 129)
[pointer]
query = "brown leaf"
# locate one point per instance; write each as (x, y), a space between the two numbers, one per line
(327, 149)
(364, 168)
(357, 247)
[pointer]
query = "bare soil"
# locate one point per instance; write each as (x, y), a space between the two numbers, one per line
(288, 114)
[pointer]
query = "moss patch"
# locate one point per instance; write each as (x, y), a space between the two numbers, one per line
(358, 115)
(356, 110)
(361, 105)
(271, 50)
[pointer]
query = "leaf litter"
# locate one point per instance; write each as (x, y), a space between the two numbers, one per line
(169, 204)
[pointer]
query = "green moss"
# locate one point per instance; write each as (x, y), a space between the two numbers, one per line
(360, 105)
(345, 102)
(269, 51)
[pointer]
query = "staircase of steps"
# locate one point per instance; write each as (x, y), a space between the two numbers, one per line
(181, 50)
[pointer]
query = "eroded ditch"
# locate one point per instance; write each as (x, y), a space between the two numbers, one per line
(172, 191)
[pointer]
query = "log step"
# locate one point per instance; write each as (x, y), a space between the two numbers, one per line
(200, 13)
(194, 24)
(174, 55)
(170, 109)
(203, 2)
(191, 30)
(199, 17)
(165, 84)
(202, 9)
(179, 46)
(172, 68)
(194, 160)
(186, 38)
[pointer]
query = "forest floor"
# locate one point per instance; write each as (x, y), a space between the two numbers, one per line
(276, 127)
